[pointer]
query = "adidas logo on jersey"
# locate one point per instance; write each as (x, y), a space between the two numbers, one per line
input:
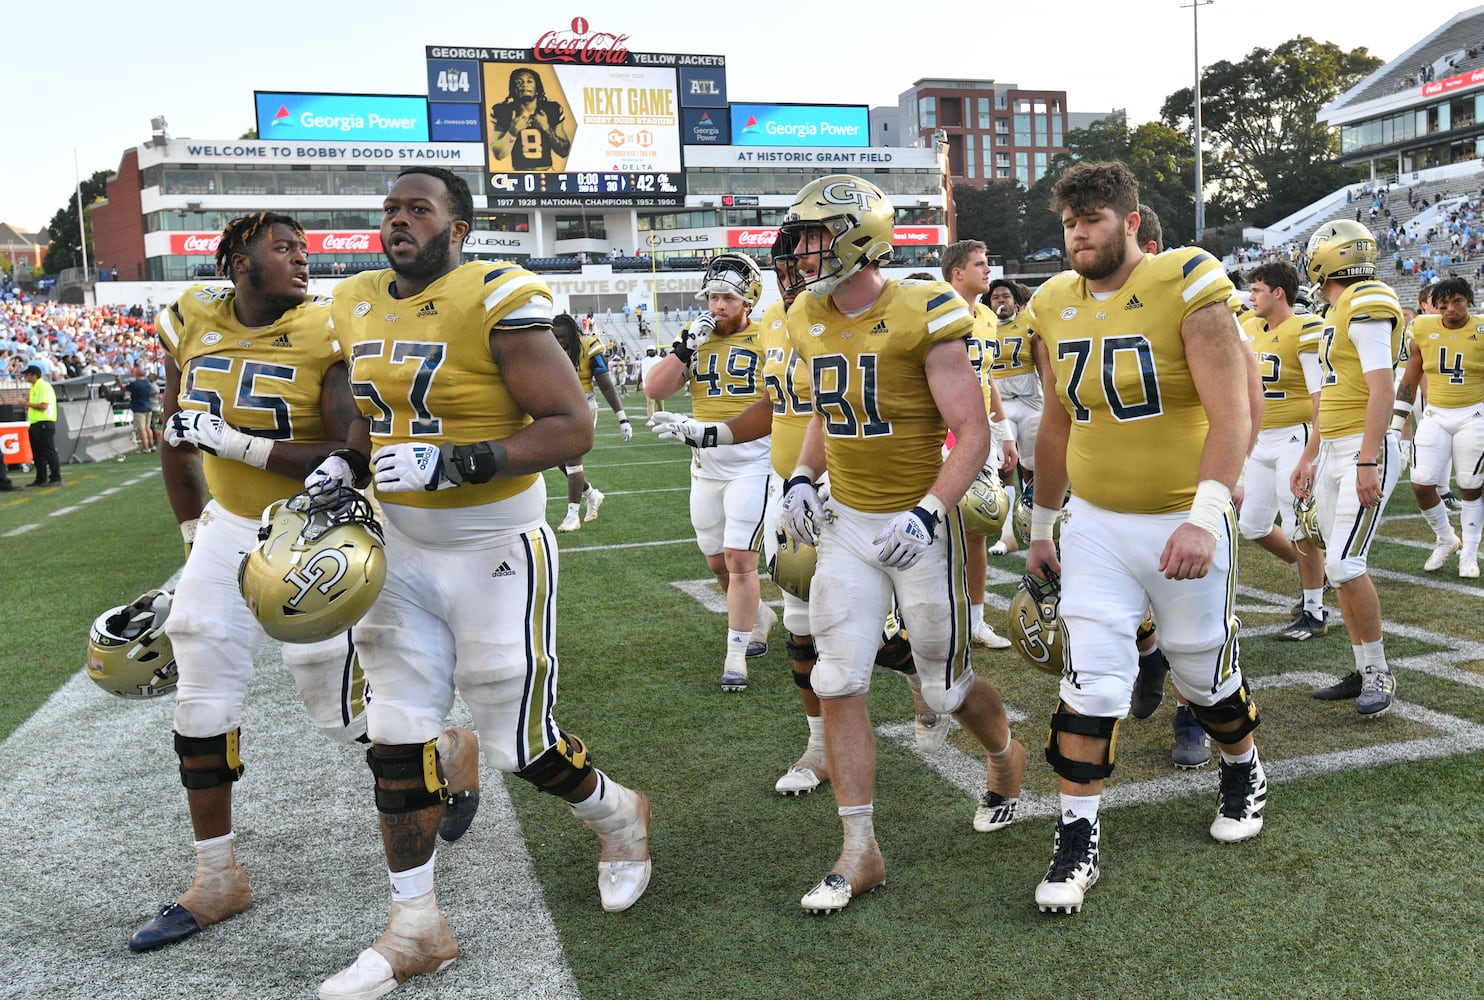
(504, 570)
(282, 341)
(427, 310)
(1132, 303)
(880, 327)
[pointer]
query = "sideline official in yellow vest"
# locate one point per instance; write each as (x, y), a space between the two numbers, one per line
(41, 415)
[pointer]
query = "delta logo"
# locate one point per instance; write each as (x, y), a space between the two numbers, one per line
(280, 116)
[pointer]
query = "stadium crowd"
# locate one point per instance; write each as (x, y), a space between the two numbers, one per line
(69, 341)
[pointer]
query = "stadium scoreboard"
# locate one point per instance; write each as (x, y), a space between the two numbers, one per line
(576, 118)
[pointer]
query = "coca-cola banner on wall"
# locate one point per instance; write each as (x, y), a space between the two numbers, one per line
(319, 242)
(902, 236)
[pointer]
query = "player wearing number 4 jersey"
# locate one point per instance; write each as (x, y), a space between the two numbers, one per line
(889, 373)
(465, 396)
(1142, 363)
(1447, 350)
(255, 392)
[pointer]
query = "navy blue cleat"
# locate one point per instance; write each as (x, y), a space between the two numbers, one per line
(173, 923)
(458, 815)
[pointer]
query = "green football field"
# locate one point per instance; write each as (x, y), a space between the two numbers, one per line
(1363, 883)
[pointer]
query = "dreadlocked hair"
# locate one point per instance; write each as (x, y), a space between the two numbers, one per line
(245, 230)
(574, 339)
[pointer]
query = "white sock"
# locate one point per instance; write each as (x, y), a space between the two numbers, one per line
(1471, 521)
(216, 854)
(1436, 517)
(1075, 807)
(976, 615)
(1359, 652)
(1239, 758)
(1314, 602)
(572, 508)
(1375, 655)
(414, 882)
(737, 647)
(816, 732)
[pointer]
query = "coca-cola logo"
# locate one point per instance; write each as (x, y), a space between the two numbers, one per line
(353, 242)
(200, 244)
(578, 45)
(761, 238)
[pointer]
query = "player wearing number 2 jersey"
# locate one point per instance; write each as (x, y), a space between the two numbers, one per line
(465, 397)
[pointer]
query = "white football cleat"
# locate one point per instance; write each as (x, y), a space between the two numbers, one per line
(570, 522)
(593, 499)
(984, 635)
(1244, 793)
(1468, 564)
(1074, 867)
(416, 941)
(1441, 552)
(624, 867)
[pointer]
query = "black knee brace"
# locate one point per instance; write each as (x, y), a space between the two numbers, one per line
(1079, 725)
(1234, 707)
(802, 680)
(561, 768)
(399, 764)
(226, 745)
(801, 652)
(896, 654)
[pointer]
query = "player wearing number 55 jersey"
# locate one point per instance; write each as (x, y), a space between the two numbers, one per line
(890, 375)
(465, 396)
(1143, 366)
(1448, 351)
(256, 392)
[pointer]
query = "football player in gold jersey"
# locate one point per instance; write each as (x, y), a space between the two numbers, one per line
(1287, 348)
(720, 357)
(255, 392)
(465, 396)
(966, 269)
(1359, 457)
(890, 375)
(586, 352)
(1447, 350)
(1141, 362)
(1013, 369)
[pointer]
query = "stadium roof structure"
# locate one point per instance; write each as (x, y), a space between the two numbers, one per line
(1453, 49)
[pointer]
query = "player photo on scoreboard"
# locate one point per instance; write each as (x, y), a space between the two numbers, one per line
(530, 128)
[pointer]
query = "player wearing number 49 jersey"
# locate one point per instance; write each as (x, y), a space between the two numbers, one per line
(1142, 364)
(255, 392)
(1448, 351)
(465, 396)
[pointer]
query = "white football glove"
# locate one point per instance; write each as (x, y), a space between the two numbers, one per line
(801, 509)
(625, 429)
(215, 436)
(402, 468)
(908, 535)
(331, 474)
(669, 426)
(693, 336)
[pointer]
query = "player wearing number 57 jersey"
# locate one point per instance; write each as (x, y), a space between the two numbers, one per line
(890, 375)
(465, 396)
(1143, 366)
(256, 392)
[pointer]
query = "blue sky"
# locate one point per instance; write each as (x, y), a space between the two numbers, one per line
(89, 77)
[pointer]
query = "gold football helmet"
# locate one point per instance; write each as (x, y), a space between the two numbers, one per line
(1340, 249)
(1035, 622)
(733, 274)
(985, 505)
(1308, 519)
(129, 653)
(792, 567)
(318, 566)
(856, 221)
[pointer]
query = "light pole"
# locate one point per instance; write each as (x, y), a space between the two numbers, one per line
(1200, 194)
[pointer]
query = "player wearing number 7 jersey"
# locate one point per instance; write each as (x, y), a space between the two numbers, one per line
(465, 396)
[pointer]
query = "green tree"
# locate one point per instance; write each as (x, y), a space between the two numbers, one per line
(994, 214)
(67, 238)
(1268, 155)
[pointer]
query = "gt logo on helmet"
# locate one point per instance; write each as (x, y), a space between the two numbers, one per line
(312, 577)
(846, 193)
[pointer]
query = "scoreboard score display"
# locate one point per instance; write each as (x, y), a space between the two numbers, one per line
(573, 120)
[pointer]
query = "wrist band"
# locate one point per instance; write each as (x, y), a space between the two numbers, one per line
(1043, 522)
(1212, 502)
(1365, 465)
